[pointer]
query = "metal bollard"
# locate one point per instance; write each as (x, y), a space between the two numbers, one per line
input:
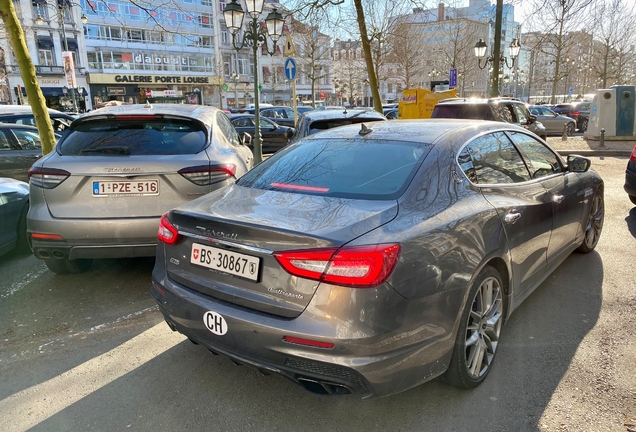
(602, 143)
(564, 136)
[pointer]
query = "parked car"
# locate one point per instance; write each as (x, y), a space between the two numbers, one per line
(281, 115)
(630, 177)
(552, 121)
(20, 147)
(101, 192)
(301, 109)
(497, 109)
(579, 111)
(274, 136)
(391, 114)
(318, 121)
(59, 120)
(14, 205)
(371, 258)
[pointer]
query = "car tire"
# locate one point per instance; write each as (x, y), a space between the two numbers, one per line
(22, 245)
(594, 224)
(570, 129)
(583, 126)
(66, 266)
(478, 333)
(632, 199)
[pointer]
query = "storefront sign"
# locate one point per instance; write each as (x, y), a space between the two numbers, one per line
(51, 82)
(169, 92)
(153, 79)
(116, 91)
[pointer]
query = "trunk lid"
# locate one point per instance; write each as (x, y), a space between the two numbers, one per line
(255, 223)
(76, 196)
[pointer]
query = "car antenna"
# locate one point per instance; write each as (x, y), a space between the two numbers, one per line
(364, 130)
(148, 104)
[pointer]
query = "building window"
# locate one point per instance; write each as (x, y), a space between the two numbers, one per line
(242, 66)
(46, 57)
(222, 4)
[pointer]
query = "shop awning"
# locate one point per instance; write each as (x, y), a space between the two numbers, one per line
(72, 44)
(45, 42)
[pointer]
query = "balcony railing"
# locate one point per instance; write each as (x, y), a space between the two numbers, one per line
(46, 70)
(49, 70)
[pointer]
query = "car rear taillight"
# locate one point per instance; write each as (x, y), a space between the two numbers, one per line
(167, 232)
(41, 236)
(204, 175)
(47, 178)
(575, 113)
(355, 266)
(633, 155)
(308, 342)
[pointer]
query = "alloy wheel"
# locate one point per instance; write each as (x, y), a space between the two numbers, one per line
(483, 327)
(594, 222)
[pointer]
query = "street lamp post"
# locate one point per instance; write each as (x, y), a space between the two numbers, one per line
(235, 78)
(61, 8)
(480, 53)
(234, 14)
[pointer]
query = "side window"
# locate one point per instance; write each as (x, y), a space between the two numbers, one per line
(5, 144)
(267, 113)
(504, 112)
(243, 122)
(466, 164)
(227, 129)
(540, 159)
(29, 121)
(521, 113)
(266, 124)
(28, 140)
(494, 160)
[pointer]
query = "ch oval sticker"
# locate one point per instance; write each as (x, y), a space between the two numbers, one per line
(215, 323)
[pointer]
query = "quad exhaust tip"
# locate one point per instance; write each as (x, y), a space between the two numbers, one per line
(323, 387)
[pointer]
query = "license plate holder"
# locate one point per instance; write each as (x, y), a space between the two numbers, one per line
(224, 261)
(111, 188)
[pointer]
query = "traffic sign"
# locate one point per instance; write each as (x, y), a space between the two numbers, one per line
(570, 90)
(225, 87)
(452, 82)
(290, 68)
(322, 95)
(289, 48)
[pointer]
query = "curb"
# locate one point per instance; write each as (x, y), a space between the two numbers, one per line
(597, 153)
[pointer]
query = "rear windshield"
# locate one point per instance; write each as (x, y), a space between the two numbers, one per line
(321, 125)
(468, 111)
(346, 168)
(113, 137)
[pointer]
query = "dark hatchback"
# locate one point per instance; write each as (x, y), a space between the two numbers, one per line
(20, 147)
(372, 259)
(579, 111)
(274, 136)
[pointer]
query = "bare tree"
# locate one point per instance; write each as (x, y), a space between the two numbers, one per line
(614, 31)
(555, 19)
(407, 54)
(27, 72)
(314, 53)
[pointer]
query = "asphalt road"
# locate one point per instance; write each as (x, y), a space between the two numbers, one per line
(91, 352)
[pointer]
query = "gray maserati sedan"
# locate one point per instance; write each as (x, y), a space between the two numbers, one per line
(368, 259)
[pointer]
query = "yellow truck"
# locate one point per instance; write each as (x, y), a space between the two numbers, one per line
(418, 103)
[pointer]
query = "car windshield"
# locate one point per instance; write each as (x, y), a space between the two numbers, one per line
(347, 168)
(134, 137)
(321, 125)
(467, 111)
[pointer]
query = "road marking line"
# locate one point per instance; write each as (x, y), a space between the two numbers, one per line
(30, 277)
(34, 405)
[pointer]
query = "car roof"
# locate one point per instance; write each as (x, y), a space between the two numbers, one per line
(331, 113)
(199, 112)
(465, 101)
(17, 126)
(417, 131)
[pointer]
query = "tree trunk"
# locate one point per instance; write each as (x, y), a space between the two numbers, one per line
(27, 72)
(368, 58)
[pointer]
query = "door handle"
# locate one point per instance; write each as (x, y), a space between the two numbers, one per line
(512, 217)
(558, 198)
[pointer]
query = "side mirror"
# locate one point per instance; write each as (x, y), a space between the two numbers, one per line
(245, 138)
(578, 163)
(290, 133)
(532, 119)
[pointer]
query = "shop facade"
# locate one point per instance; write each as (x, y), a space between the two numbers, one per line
(55, 91)
(155, 88)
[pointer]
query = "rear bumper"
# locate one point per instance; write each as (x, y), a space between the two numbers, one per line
(630, 183)
(92, 238)
(364, 361)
